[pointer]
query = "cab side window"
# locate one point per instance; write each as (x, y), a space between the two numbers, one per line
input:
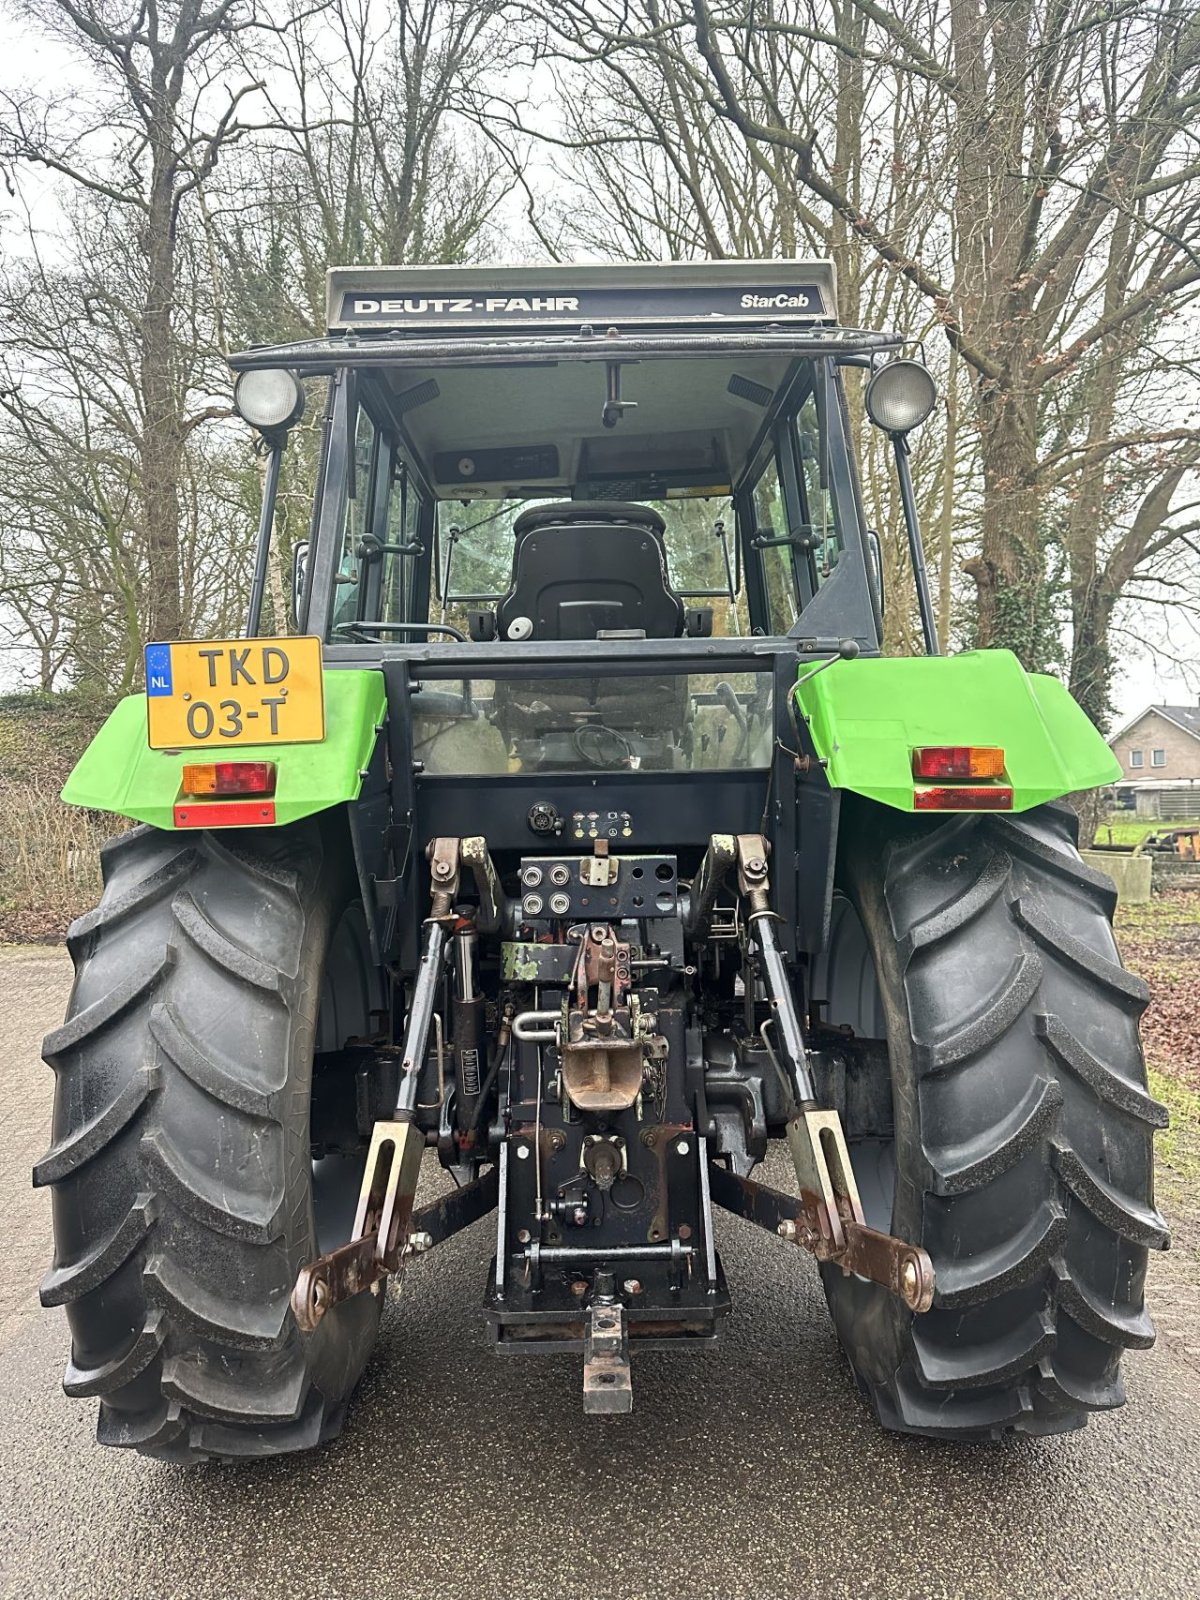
(357, 520)
(819, 511)
(401, 543)
(778, 567)
(381, 524)
(796, 536)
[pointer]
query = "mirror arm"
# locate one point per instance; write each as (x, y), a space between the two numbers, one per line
(614, 406)
(916, 550)
(266, 521)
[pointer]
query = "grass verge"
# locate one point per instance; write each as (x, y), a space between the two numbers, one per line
(49, 852)
(1178, 1147)
(1130, 831)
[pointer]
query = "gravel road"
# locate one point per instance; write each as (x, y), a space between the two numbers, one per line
(750, 1470)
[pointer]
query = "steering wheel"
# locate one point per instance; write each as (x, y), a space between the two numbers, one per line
(590, 740)
(344, 629)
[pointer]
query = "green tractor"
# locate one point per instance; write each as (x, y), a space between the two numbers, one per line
(581, 840)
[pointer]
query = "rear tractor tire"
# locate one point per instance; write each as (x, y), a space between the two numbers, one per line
(1020, 1148)
(184, 1198)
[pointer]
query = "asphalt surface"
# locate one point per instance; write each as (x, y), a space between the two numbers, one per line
(753, 1469)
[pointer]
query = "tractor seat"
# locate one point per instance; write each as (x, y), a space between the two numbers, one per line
(584, 568)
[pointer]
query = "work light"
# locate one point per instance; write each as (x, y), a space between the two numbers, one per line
(270, 399)
(900, 396)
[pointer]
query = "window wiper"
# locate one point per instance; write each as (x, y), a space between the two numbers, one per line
(453, 534)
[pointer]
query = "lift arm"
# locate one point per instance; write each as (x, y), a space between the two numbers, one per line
(827, 1218)
(386, 1227)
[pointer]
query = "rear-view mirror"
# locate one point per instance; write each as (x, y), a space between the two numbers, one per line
(876, 549)
(299, 574)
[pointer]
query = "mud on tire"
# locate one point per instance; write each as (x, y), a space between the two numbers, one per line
(1020, 1154)
(182, 1182)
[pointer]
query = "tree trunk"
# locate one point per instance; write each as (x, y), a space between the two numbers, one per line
(1091, 605)
(845, 246)
(162, 427)
(946, 510)
(276, 562)
(1013, 603)
(1091, 658)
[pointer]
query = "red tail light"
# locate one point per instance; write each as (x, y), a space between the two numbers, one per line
(964, 797)
(951, 762)
(217, 778)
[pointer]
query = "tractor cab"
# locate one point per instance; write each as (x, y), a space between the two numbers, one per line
(586, 522)
(567, 504)
(669, 458)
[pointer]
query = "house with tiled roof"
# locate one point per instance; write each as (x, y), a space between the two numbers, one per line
(1159, 752)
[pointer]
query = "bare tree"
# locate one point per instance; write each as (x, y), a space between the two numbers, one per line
(144, 135)
(1020, 179)
(74, 553)
(1076, 213)
(367, 156)
(127, 503)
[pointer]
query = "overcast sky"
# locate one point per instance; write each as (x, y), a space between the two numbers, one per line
(1145, 671)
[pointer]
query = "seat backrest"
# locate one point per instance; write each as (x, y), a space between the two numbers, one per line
(560, 512)
(575, 578)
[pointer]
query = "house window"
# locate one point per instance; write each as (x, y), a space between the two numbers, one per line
(1158, 758)
(1135, 758)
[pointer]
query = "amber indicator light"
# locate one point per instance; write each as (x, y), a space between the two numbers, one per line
(215, 779)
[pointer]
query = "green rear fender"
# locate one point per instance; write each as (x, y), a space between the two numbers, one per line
(119, 772)
(867, 716)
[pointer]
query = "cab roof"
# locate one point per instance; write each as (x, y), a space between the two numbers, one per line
(442, 301)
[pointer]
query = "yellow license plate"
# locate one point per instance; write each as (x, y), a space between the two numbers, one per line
(223, 692)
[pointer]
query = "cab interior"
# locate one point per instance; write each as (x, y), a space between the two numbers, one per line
(589, 499)
(497, 509)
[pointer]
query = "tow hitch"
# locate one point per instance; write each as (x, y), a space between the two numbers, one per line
(826, 1218)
